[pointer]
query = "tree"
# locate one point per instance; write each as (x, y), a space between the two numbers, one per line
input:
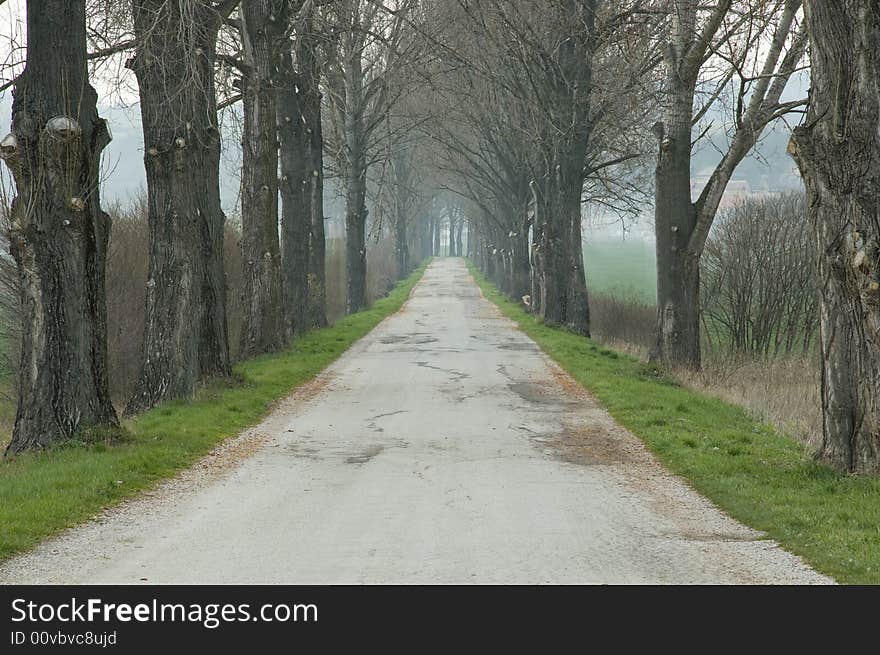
(59, 233)
(838, 153)
(548, 108)
(185, 337)
(369, 46)
(307, 45)
(758, 288)
(263, 25)
(302, 175)
(699, 34)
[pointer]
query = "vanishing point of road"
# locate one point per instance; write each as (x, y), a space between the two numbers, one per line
(444, 447)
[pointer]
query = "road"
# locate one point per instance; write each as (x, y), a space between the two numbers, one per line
(444, 447)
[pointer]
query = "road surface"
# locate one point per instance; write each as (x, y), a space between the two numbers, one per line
(442, 448)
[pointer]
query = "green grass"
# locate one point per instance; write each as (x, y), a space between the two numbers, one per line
(621, 268)
(42, 493)
(757, 476)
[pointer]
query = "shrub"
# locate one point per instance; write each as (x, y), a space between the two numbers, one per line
(758, 291)
(622, 319)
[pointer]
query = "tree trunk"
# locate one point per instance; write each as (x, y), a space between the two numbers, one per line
(59, 233)
(263, 329)
(451, 235)
(838, 153)
(356, 237)
(459, 228)
(577, 315)
(436, 247)
(296, 195)
(401, 250)
(307, 43)
(354, 179)
(554, 260)
(678, 276)
(563, 286)
(185, 336)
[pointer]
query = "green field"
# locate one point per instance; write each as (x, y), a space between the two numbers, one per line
(621, 268)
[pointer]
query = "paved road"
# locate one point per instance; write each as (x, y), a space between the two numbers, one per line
(443, 447)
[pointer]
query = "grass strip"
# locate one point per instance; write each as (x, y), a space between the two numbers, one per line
(756, 475)
(42, 493)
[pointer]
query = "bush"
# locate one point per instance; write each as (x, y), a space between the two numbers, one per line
(758, 291)
(620, 319)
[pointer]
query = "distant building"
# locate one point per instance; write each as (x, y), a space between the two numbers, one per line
(736, 192)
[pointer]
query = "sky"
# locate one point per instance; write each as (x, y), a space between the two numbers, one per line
(123, 171)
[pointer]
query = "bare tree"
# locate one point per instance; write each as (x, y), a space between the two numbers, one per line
(185, 336)
(758, 288)
(838, 153)
(59, 232)
(369, 47)
(308, 40)
(538, 129)
(302, 173)
(712, 44)
(263, 25)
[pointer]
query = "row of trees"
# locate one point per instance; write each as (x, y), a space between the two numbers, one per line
(502, 118)
(301, 77)
(536, 148)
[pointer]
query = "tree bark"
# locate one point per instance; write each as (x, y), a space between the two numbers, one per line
(554, 276)
(682, 225)
(356, 231)
(59, 233)
(307, 43)
(185, 336)
(296, 197)
(577, 302)
(678, 274)
(563, 298)
(263, 329)
(838, 153)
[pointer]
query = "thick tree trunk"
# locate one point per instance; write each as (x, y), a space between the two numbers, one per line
(577, 302)
(263, 329)
(553, 257)
(838, 152)
(296, 195)
(185, 336)
(678, 276)
(356, 236)
(307, 43)
(59, 233)
(354, 180)
(459, 228)
(521, 267)
(563, 297)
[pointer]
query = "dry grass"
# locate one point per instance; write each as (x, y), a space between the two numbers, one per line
(783, 390)
(381, 273)
(624, 319)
